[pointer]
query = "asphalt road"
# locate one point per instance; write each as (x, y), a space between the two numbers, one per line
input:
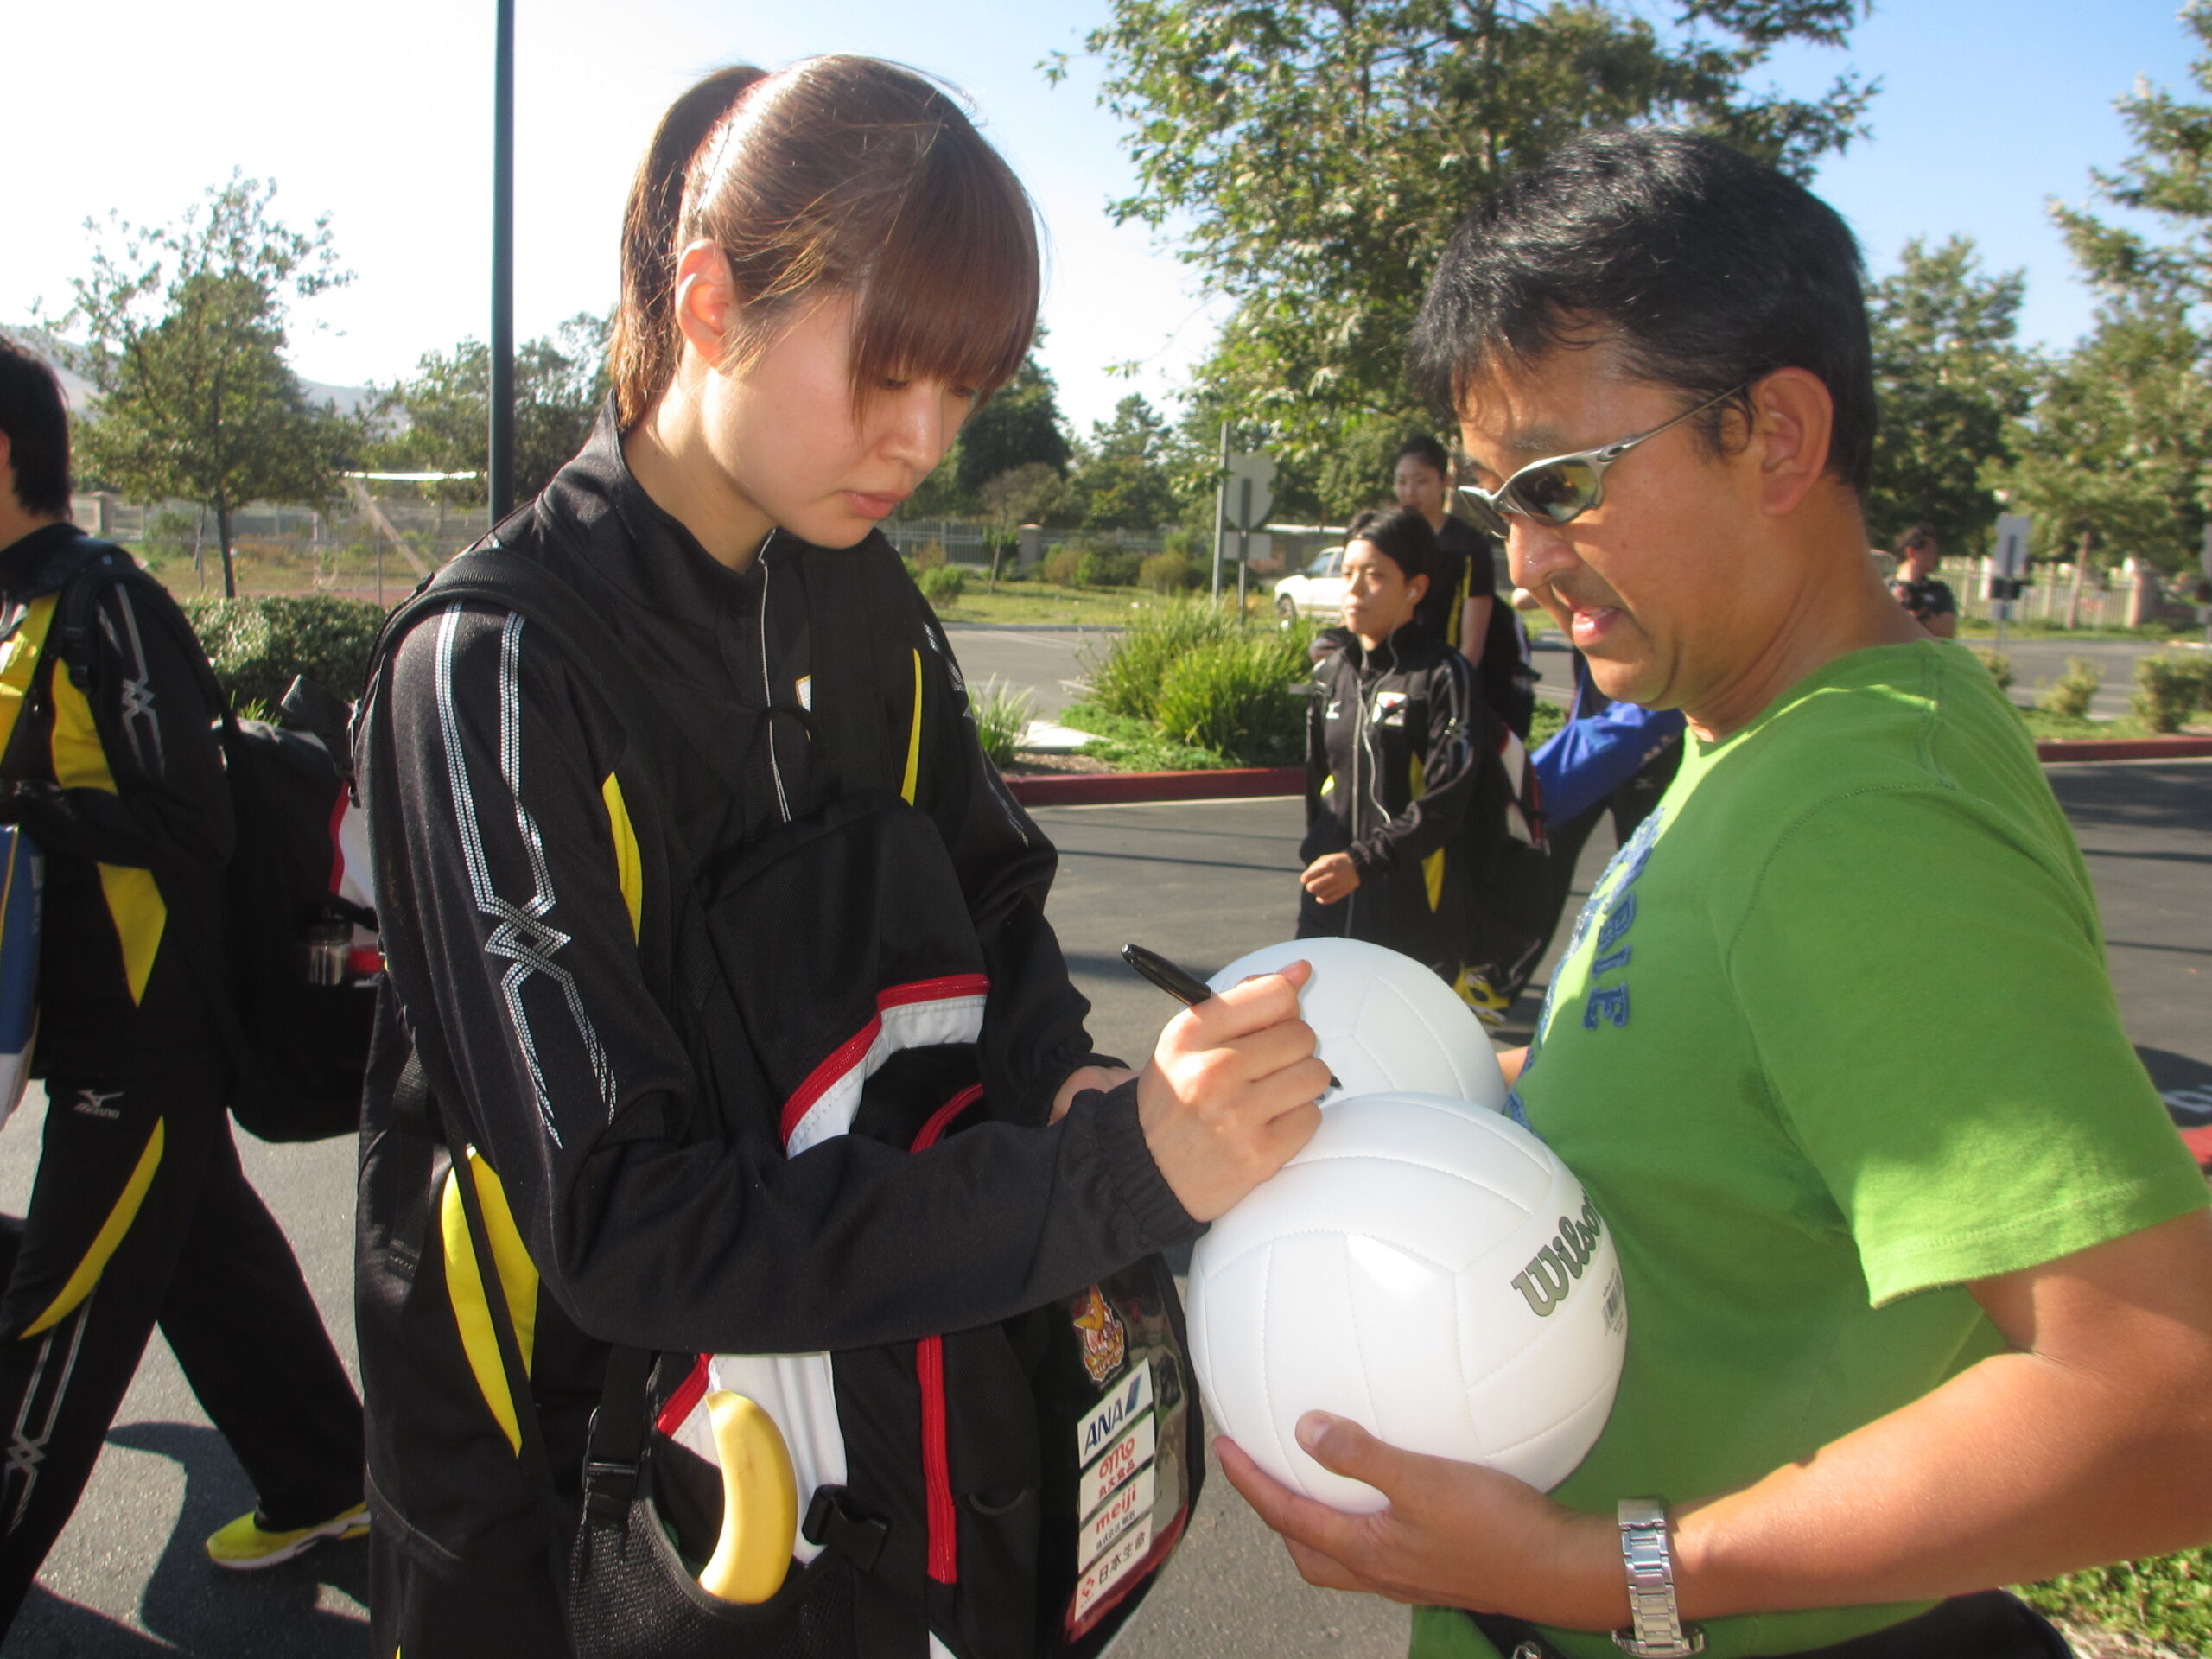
(1202, 882)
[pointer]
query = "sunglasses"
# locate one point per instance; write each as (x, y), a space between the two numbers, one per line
(1563, 488)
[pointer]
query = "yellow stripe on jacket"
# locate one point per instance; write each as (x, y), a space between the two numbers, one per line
(19, 662)
(914, 738)
(134, 901)
(629, 869)
(471, 1313)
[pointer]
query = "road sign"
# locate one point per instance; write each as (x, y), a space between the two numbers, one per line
(2011, 554)
(1248, 491)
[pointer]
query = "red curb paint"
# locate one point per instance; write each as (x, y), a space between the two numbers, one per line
(2139, 748)
(1131, 788)
(1116, 788)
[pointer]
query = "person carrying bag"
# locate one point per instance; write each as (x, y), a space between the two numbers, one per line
(729, 1051)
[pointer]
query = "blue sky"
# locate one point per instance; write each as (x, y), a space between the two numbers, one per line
(381, 115)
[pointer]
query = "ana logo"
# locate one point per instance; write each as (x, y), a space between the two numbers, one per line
(1551, 1272)
(1105, 1343)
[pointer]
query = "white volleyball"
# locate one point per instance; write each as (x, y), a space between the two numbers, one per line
(1384, 1021)
(1428, 1268)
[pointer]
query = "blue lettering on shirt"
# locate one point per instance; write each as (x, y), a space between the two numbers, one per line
(1607, 963)
(1618, 920)
(1607, 1001)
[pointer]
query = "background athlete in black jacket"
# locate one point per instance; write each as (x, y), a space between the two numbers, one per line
(1389, 763)
(140, 1212)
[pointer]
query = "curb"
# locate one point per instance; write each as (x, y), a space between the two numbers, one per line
(1133, 788)
(1126, 788)
(1031, 627)
(2061, 751)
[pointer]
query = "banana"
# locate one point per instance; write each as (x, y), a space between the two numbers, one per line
(759, 1502)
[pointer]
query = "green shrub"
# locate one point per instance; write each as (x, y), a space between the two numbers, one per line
(1238, 696)
(943, 584)
(2167, 689)
(1125, 676)
(1002, 714)
(257, 645)
(930, 555)
(1179, 541)
(2167, 1598)
(1545, 723)
(1169, 572)
(1999, 664)
(2068, 696)
(1058, 565)
(1097, 567)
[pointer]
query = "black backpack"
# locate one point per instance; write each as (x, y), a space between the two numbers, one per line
(293, 998)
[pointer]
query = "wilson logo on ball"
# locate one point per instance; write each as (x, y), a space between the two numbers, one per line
(1551, 1273)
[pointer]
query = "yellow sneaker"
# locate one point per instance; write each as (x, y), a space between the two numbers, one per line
(245, 1545)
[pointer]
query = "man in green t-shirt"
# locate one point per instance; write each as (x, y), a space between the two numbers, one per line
(1915, 1307)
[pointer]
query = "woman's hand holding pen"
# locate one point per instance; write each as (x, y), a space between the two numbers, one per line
(1229, 1096)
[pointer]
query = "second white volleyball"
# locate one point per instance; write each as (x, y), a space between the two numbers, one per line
(1428, 1268)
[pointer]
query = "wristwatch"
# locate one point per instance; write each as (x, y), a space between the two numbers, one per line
(1655, 1622)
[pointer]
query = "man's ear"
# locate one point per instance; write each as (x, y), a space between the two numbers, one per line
(1418, 587)
(1793, 425)
(706, 299)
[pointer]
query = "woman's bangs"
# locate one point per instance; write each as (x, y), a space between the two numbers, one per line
(952, 293)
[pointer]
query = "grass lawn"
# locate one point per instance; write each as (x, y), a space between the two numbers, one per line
(2154, 633)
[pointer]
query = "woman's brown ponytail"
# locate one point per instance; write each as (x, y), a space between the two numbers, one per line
(645, 344)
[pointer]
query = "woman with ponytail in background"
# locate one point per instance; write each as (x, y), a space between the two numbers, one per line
(718, 954)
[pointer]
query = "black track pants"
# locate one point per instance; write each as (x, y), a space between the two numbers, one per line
(140, 1214)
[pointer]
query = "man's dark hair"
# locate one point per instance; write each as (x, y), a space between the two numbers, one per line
(1708, 268)
(1425, 450)
(35, 418)
(1402, 534)
(1915, 538)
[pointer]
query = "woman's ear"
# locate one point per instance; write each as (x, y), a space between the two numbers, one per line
(706, 299)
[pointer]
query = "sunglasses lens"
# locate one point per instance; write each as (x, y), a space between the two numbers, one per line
(1558, 492)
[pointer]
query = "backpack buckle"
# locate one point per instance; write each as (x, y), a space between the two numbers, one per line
(830, 1522)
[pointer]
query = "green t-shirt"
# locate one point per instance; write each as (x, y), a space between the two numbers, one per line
(1834, 1034)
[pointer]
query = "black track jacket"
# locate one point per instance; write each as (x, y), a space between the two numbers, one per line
(527, 901)
(1391, 767)
(121, 783)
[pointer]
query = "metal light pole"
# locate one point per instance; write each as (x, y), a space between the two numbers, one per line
(502, 264)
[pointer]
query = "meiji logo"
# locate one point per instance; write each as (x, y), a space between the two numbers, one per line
(1551, 1272)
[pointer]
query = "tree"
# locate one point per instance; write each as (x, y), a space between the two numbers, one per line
(1020, 425)
(1118, 482)
(1321, 152)
(185, 339)
(2117, 446)
(1021, 495)
(440, 420)
(2169, 176)
(1949, 379)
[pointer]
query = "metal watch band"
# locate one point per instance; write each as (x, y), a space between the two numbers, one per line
(1655, 1627)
